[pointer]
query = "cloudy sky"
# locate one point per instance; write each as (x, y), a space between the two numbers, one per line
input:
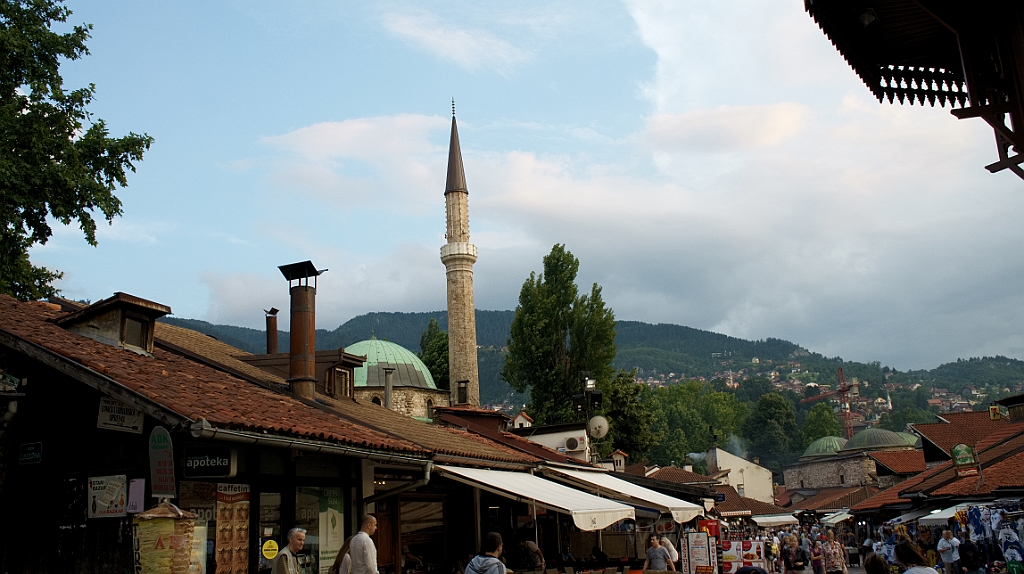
(711, 164)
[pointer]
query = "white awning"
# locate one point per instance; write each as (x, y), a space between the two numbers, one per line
(904, 518)
(775, 519)
(589, 512)
(606, 484)
(937, 518)
(836, 518)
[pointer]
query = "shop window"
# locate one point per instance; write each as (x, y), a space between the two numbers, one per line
(270, 523)
(422, 535)
(321, 512)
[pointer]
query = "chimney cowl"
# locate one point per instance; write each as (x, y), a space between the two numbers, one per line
(302, 336)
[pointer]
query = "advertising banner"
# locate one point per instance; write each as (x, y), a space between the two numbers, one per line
(161, 464)
(232, 528)
(108, 496)
(162, 545)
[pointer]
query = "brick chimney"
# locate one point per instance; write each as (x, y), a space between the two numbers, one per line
(302, 351)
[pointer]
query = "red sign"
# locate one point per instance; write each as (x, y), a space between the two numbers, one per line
(161, 464)
(708, 526)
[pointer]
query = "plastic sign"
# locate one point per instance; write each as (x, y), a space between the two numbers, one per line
(964, 460)
(210, 462)
(161, 464)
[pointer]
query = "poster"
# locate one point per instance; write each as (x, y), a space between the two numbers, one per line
(232, 541)
(684, 555)
(136, 495)
(701, 553)
(742, 551)
(332, 527)
(197, 561)
(163, 546)
(108, 496)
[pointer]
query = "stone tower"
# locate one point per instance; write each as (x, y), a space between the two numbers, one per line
(458, 256)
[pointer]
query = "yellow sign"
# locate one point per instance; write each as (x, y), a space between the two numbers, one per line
(270, 549)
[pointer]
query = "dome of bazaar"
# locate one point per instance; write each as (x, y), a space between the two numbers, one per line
(875, 439)
(409, 369)
(824, 446)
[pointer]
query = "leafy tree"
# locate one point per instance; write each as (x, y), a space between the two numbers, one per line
(772, 431)
(821, 421)
(630, 417)
(434, 353)
(51, 163)
(751, 389)
(898, 419)
(555, 336)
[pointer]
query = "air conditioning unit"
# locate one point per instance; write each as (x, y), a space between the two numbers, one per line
(575, 443)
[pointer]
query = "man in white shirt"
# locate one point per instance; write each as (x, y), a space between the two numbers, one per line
(948, 549)
(362, 549)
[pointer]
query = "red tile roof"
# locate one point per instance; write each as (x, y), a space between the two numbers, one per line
(901, 462)
(680, 476)
(967, 428)
(889, 496)
(1005, 474)
(836, 498)
(736, 505)
(195, 390)
(188, 388)
(942, 479)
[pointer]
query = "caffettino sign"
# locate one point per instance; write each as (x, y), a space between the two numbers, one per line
(210, 462)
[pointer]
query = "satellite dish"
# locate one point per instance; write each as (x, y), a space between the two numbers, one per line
(597, 427)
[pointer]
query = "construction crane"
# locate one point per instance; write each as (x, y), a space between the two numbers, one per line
(843, 393)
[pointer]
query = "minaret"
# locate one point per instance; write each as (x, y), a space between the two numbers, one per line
(458, 256)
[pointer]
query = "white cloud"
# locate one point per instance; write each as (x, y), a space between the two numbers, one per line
(727, 128)
(471, 49)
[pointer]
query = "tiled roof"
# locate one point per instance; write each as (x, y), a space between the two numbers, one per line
(197, 390)
(188, 388)
(736, 505)
(680, 476)
(1005, 474)
(889, 496)
(967, 428)
(200, 345)
(836, 498)
(638, 468)
(508, 441)
(901, 462)
(943, 477)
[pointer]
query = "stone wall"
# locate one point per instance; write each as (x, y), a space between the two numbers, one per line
(410, 401)
(831, 472)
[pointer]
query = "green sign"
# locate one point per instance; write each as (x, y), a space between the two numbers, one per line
(963, 455)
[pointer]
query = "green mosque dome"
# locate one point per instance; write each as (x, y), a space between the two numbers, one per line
(824, 446)
(876, 439)
(409, 369)
(911, 438)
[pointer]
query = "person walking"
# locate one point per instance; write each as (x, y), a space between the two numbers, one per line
(972, 560)
(343, 561)
(835, 555)
(817, 558)
(875, 564)
(658, 557)
(488, 561)
(793, 557)
(285, 562)
(362, 549)
(908, 555)
(948, 549)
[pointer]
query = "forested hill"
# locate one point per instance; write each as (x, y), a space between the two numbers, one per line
(655, 350)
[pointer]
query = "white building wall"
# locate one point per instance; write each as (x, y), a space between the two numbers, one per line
(752, 480)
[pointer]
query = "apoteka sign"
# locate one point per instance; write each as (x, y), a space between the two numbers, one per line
(210, 462)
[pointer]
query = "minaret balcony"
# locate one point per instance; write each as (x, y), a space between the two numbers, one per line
(458, 249)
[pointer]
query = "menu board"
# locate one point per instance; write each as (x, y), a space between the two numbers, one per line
(739, 553)
(700, 553)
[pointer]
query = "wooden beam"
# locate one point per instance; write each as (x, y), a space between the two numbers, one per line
(98, 381)
(978, 111)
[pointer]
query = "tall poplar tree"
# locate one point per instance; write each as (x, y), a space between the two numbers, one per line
(556, 335)
(54, 162)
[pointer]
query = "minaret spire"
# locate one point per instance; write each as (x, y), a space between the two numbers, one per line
(458, 256)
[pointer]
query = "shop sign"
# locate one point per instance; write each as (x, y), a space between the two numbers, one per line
(700, 552)
(161, 463)
(30, 453)
(964, 460)
(719, 497)
(107, 496)
(993, 413)
(115, 415)
(270, 550)
(210, 462)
